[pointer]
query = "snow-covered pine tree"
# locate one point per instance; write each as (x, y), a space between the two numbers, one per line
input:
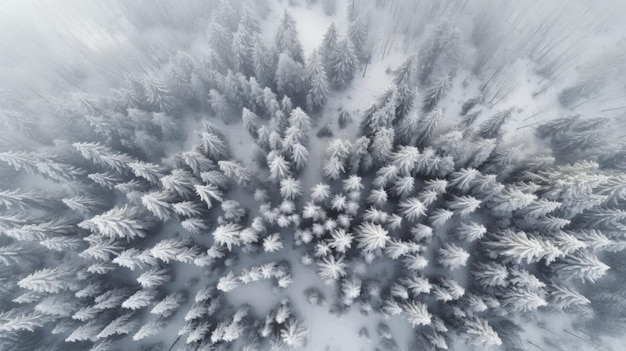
(416, 313)
(154, 277)
(213, 145)
(227, 235)
(233, 169)
(341, 65)
(328, 46)
(293, 334)
(382, 145)
(279, 167)
(580, 265)
(179, 183)
(463, 205)
(243, 42)
(156, 202)
(564, 297)
(50, 280)
(492, 127)
(317, 82)
(481, 333)
(17, 320)
(104, 156)
(518, 246)
(148, 171)
(490, 274)
(470, 231)
(124, 324)
(299, 156)
(358, 31)
(158, 94)
(290, 77)
(427, 125)
(153, 327)
(251, 122)
(101, 248)
(133, 258)
(371, 237)
(435, 93)
(264, 61)
(331, 268)
(452, 256)
(140, 299)
(169, 304)
(287, 38)
(412, 209)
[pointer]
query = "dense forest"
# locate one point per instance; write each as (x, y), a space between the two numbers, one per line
(416, 175)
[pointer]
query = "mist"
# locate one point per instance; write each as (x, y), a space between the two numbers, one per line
(327, 175)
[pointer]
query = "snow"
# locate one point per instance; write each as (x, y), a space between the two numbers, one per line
(326, 331)
(311, 22)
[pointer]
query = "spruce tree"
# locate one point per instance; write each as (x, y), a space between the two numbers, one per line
(318, 83)
(341, 65)
(286, 40)
(358, 33)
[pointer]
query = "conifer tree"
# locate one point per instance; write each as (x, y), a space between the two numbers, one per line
(341, 65)
(382, 145)
(50, 280)
(140, 299)
(470, 231)
(156, 203)
(220, 39)
(371, 237)
(148, 171)
(427, 125)
(330, 268)
(243, 43)
(452, 256)
(227, 235)
(120, 222)
(153, 327)
(103, 155)
(523, 300)
(464, 205)
(279, 167)
(251, 122)
(154, 277)
(290, 76)
(491, 128)
(287, 38)
(564, 297)
(490, 274)
(580, 265)
(481, 333)
(358, 32)
(20, 160)
(16, 320)
(435, 93)
(439, 54)
(439, 217)
(213, 144)
(317, 93)
(412, 209)
(417, 313)
(122, 325)
(264, 62)
(158, 94)
(328, 46)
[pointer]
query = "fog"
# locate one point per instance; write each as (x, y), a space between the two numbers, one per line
(312, 175)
